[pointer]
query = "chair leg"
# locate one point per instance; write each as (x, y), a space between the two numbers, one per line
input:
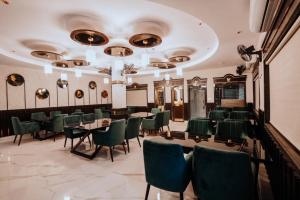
(54, 137)
(111, 154)
(139, 140)
(65, 141)
(90, 141)
(147, 191)
(72, 143)
(124, 147)
(20, 139)
(127, 142)
(181, 195)
(15, 138)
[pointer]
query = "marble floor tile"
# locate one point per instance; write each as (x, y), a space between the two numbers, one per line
(45, 170)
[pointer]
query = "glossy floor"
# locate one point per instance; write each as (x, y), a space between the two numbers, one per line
(45, 170)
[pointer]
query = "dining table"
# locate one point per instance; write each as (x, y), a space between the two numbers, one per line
(88, 150)
(142, 115)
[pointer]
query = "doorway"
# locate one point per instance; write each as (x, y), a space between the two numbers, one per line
(197, 97)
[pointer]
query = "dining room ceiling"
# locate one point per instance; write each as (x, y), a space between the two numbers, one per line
(203, 32)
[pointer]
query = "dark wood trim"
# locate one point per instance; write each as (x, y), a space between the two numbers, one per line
(230, 78)
(137, 86)
(159, 84)
(285, 14)
(178, 83)
(267, 93)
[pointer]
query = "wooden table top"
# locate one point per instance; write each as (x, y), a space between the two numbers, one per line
(142, 114)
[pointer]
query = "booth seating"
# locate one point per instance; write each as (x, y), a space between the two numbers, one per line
(25, 127)
(166, 167)
(220, 174)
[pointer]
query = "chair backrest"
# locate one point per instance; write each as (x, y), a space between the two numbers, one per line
(117, 132)
(133, 127)
(58, 123)
(77, 113)
(198, 127)
(17, 126)
(241, 115)
(155, 110)
(54, 113)
(231, 129)
(72, 120)
(38, 116)
(130, 109)
(165, 166)
(159, 120)
(239, 109)
(166, 117)
(219, 174)
(88, 118)
(98, 113)
(77, 110)
(218, 115)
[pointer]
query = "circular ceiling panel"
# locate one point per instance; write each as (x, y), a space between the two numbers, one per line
(46, 55)
(179, 59)
(163, 65)
(89, 37)
(145, 40)
(77, 62)
(119, 51)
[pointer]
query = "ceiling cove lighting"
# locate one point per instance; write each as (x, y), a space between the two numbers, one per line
(64, 76)
(179, 71)
(48, 69)
(106, 81)
(78, 73)
(145, 60)
(90, 56)
(118, 64)
(156, 73)
(167, 77)
(129, 80)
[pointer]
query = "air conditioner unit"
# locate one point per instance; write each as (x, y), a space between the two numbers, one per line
(262, 13)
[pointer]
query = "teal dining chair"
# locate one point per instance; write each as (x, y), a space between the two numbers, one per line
(115, 135)
(25, 127)
(154, 124)
(166, 167)
(132, 130)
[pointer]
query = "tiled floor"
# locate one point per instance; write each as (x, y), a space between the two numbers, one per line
(44, 170)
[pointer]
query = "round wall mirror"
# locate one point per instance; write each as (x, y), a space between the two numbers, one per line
(15, 79)
(42, 93)
(79, 94)
(62, 83)
(92, 85)
(104, 94)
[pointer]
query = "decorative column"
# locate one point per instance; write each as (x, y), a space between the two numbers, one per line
(119, 108)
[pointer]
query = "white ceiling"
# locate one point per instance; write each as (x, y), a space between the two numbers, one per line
(28, 25)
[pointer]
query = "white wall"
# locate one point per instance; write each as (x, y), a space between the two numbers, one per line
(285, 92)
(36, 78)
(206, 73)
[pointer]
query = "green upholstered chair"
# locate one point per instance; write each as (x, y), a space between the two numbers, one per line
(199, 127)
(98, 113)
(166, 119)
(72, 129)
(56, 125)
(223, 108)
(166, 167)
(54, 113)
(21, 128)
(39, 116)
(234, 130)
(132, 130)
(88, 118)
(153, 124)
(115, 135)
(220, 174)
(77, 110)
(130, 110)
(155, 110)
(239, 115)
(77, 113)
(218, 115)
